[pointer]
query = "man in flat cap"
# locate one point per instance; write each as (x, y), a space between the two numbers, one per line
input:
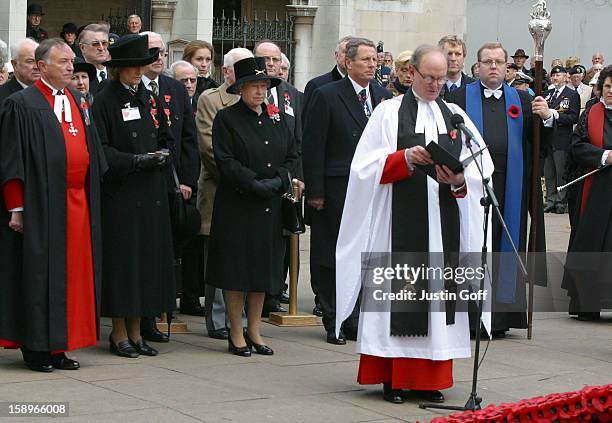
(34, 31)
(584, 91)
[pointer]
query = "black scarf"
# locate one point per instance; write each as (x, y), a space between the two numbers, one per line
(399, 87)
(410, 229)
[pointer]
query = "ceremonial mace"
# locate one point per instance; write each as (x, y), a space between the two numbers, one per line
(539, 27)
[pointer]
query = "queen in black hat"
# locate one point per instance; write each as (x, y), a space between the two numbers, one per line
(255, 154)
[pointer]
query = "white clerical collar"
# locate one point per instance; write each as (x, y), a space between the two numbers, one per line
(53, 89)
(24, 86)
(492, 89)
(358, 87)
(147, 81)
(603, 101)
(428, 113)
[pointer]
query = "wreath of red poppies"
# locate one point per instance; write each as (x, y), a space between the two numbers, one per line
(514, 111)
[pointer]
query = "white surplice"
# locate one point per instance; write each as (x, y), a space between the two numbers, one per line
(366, 227)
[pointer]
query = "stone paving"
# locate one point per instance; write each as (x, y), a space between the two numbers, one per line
(194, 379)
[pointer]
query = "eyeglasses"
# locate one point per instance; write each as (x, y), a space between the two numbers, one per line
(430, 79)
(97, 43)
(490, 62)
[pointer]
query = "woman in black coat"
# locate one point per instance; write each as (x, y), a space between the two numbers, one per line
(255, 154)
(138, 277)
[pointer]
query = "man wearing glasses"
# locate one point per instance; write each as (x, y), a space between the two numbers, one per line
(503, 115)
(93, 42)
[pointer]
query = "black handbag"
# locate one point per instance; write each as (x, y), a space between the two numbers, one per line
(293, 219)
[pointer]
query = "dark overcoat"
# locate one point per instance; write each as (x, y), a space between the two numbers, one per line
(246, 237)
(335, 120)
(138, 255)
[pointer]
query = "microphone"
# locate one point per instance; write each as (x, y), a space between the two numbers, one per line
(458, 123)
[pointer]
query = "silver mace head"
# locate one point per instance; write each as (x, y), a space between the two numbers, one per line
(539, 27)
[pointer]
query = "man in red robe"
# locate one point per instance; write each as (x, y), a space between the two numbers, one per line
(50, 170)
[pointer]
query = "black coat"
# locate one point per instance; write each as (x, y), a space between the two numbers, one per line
(567, 104)
(464, 81)
(181, 131)
(32, 149)
(291, 105)
(496, 137)
(247, 246)
(317, 82)
(203, 84)
(11, 86)
(335, 120)
(138, 255)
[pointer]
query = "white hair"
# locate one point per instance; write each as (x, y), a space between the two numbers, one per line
(171, 72)
(3, 53)
(154, 35)
(17, 48)
(234, 55)
(285, 60)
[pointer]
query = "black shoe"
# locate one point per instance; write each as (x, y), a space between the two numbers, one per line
(331, 338)
(273, 309)
(38, 361)
(431, 396)
(259, 348)
(60, 361)
(142, 348)
(498, 334)
(395, 396)
(317, 310)
(241, 351)
(560, 209)
(218, 334)
(123, 348)
(191, 306)
(588, 317)
(149, 331)
(283, 298)
(549, 208)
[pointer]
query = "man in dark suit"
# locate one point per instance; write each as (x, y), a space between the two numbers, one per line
(93, 43)
(455, 50)
(25, 71)
(335, 119)
(336, 74)
(564, 107)
(504, 117)
(34, 30)
(179, 120)
(290, 104)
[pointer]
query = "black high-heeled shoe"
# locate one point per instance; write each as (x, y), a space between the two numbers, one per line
(259, 348)
(241, 351)
(143, 348)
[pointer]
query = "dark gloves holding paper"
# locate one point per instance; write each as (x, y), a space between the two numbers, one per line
(266, 188)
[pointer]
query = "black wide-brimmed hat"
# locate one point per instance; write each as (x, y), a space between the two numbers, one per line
(130, 51)
(35, 9)
(520, 53)
(251, 69)
(68, 28)
(81, 65)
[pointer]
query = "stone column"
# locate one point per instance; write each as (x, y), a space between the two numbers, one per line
(13, 20)
(162, 13)
(303, 15)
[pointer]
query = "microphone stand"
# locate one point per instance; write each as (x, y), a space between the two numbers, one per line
(489, 199)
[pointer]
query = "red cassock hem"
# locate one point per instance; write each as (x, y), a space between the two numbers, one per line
(405, 373)
(12, 190)
(395, 168)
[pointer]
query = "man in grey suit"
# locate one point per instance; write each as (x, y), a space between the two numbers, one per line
(290, 103)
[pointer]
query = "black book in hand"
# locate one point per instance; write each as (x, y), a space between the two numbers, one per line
(443, 157)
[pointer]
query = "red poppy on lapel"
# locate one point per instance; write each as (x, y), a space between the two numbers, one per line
(453, 134)
(168, 98)
(287, 97)
(273, 111)
(514, 111)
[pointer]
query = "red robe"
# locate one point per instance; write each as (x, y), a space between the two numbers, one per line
(80, 296)
(400, 372)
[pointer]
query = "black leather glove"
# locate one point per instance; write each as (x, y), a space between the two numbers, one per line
(148, 161)
(266, 188)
